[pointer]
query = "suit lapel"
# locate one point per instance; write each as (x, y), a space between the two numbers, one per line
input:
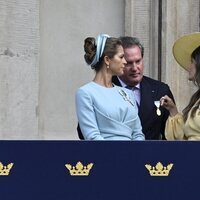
(147, 99)
(115, 80)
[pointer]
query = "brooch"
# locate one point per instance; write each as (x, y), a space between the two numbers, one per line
(125, 96)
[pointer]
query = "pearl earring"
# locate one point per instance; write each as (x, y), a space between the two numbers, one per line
(107, 66)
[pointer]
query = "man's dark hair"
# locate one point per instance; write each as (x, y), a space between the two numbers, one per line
(128, 42)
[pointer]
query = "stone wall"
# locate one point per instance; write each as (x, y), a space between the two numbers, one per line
(19, 63)
(179, 17)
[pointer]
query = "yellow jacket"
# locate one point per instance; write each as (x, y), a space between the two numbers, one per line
(176, 129)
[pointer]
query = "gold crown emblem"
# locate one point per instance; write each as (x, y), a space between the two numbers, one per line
(79, 169)
(5, 170)
(159, 169)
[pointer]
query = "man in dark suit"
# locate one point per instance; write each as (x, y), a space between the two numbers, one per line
(147, 91)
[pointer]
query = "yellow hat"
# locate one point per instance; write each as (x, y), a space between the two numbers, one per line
(183, 48)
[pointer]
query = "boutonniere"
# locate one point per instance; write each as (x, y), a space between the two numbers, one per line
(126, 96)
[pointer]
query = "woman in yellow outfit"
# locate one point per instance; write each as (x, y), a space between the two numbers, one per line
(186, 125)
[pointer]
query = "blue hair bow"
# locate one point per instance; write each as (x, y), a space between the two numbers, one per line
(100, 43)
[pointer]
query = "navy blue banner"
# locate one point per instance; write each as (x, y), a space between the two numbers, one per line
(40, 170)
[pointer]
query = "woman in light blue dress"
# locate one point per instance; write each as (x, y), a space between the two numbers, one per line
(106, 111)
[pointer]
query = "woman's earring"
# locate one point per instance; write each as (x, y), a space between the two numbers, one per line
(107, 66)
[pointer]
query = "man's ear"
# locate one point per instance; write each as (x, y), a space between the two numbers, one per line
(107, 60)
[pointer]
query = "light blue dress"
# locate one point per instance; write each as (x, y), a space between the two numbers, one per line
(107, 113)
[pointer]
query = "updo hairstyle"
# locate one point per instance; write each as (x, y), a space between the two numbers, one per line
(111, 48)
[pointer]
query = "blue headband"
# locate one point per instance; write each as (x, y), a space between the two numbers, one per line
(100, 43)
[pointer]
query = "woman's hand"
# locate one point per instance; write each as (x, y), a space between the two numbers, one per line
(168, 103)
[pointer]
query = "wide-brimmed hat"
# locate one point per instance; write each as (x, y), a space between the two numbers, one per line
(183, 48)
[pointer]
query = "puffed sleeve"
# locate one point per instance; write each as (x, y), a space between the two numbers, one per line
(174, 127)
(86, 116)
(192, 127)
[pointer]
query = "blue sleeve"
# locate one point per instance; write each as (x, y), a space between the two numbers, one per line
(86, 116)
(137, 132)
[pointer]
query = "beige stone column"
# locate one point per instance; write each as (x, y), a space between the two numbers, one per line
(141, 20)
(19, 58)
(179, 17)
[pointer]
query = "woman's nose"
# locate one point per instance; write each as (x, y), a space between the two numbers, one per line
(124, 61)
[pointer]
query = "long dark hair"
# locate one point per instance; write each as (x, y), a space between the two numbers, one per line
(196, 96)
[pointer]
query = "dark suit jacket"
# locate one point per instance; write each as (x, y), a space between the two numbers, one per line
(151, 90)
